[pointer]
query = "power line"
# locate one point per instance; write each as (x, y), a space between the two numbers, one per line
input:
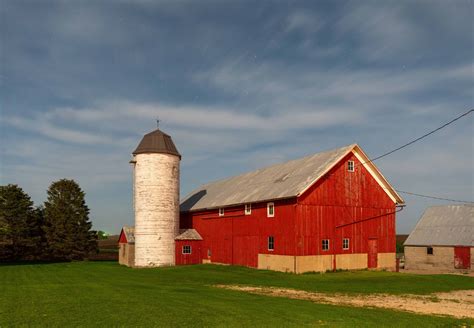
(422, 137)
(412, 142)
(434, 197)
(400, 208)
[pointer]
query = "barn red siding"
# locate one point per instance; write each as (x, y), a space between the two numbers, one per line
(341, 198)
(299, 225)
(122, 238)
(237, 239)
(194, 258)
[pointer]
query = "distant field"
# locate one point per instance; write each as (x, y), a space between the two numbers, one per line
(108, 249)
(106, 294)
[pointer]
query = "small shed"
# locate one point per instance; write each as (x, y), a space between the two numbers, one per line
(442, 239)
(188, 247)
(127, 246)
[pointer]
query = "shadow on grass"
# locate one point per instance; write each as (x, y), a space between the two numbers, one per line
(40, 262)
(15, 263)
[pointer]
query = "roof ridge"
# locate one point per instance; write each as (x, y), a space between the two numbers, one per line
(278, 181)
(277, 164)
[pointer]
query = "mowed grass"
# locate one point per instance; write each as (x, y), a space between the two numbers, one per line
(105, 294)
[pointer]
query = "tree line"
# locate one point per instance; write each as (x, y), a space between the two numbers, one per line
(59, 230)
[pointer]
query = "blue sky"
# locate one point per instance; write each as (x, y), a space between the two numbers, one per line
(238, 85)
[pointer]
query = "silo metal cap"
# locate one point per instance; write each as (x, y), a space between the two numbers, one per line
(157, 142)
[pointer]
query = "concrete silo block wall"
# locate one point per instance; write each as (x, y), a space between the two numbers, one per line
(156, 195)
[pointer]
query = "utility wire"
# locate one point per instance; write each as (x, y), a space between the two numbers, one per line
(422, 137)
(369, 218)
(412, 142)
(434, 197)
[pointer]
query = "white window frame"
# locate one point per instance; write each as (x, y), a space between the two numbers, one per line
(221, 211)
(350, 166)
(270, 205)
(322, 245)
(272, 239)
(345, 247)
(248, 209)
(185, 247)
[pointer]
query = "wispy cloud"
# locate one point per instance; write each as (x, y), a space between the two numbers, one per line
(238, 87)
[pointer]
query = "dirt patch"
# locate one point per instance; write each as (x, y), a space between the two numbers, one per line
(459, 304)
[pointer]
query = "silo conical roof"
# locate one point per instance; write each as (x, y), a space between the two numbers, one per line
(156, 142)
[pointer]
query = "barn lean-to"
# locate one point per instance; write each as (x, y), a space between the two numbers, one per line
(327, 211)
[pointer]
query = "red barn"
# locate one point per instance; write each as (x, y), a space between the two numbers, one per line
(331, 210)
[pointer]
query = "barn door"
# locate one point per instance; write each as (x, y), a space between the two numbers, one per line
(372, 254)
(462, 257)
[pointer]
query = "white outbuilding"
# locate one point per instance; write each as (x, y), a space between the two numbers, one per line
(443, 239)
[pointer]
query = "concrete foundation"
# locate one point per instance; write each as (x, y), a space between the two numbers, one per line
(316, 263)
(284, 263)
(351, 261)
(386, 261)
(322, 263)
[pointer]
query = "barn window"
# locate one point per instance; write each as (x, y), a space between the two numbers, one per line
(350, 166)
(325, 243)
(345, 243)
(270, 210)
(429, 250)
(186, 249)
(221, 211)
(271, 243)
(248, 209)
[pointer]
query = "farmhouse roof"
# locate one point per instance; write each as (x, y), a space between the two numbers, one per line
(188, 234)
(280, 181)
(450, 225)
(129, 233)
(156, 142)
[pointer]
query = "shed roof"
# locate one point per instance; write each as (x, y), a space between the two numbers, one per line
(450, 225)
(188, 234)
(285, 180)
(156, 142)
(129, 233)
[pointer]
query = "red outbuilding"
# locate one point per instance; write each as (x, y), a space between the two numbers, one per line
(188, 247)
(331, 210)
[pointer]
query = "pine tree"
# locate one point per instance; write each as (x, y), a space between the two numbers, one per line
(20, 226)
(67, 227)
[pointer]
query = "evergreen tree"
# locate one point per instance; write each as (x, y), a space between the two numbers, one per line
(20, 226)
(67, 227)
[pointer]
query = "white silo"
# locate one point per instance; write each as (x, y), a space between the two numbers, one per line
(156, 200)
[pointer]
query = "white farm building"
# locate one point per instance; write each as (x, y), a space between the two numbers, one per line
(442, 239)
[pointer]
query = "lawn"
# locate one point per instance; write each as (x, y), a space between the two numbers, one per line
(106, 294)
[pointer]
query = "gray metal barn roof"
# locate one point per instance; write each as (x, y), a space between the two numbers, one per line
(285, 180)
(450, 225)
(188, 234)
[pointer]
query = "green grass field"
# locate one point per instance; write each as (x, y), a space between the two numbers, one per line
(106, 294)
